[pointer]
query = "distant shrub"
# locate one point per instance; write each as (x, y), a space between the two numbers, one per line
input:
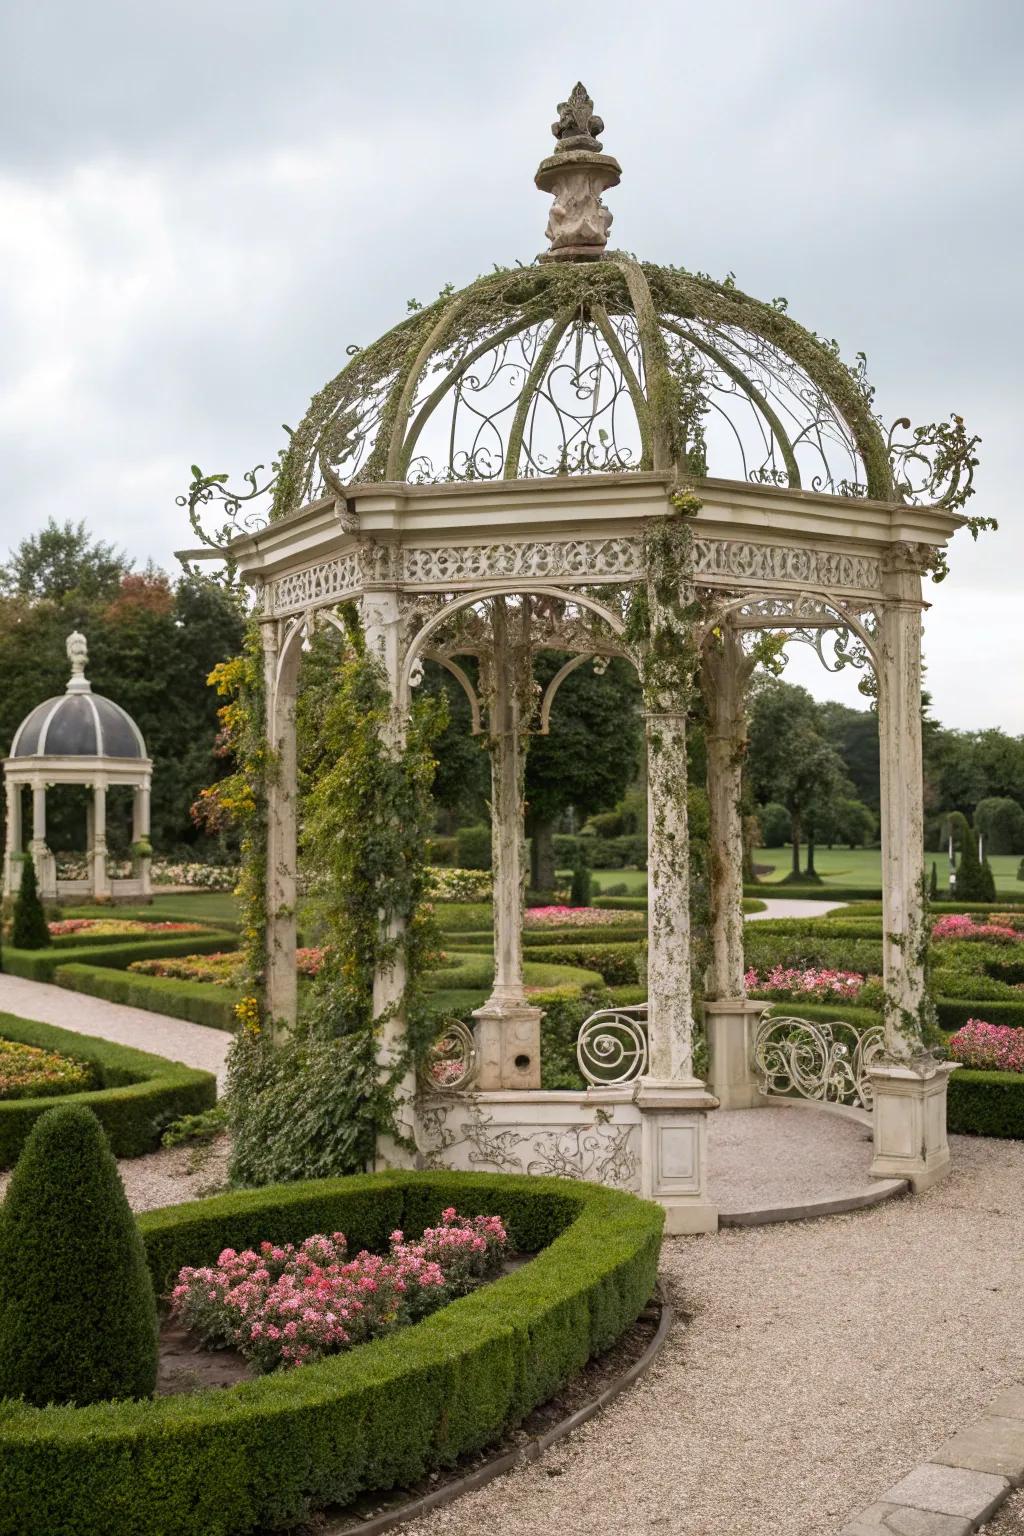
(29, 928)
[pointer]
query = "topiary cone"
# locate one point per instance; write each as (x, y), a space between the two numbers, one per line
(29, 928)
(77, 1312)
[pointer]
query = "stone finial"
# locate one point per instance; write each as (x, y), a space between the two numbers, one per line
(577, 174)
(577, 122)
(78, 655)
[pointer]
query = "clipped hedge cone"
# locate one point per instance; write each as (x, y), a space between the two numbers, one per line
(78, 1319)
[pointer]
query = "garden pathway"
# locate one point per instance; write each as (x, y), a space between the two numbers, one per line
(820, 1362)
(193, 1044)
(779, 906)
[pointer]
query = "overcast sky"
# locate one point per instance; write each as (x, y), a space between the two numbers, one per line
(202, 204)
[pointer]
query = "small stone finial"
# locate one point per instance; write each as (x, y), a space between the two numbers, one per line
(577, 173)
(577, 122)
(78, 655)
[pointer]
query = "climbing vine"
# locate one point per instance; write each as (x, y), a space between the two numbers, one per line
(315, 1100)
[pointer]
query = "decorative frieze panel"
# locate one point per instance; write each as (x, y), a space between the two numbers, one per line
(573, 1141)
(329, 582)
(576, 561)
(588, 560)
(743, 561)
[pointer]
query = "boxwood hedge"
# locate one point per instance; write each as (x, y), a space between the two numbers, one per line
(138, 1096)
(40, 964)
(986, 1103)
(263, 1454)
(201, 1002)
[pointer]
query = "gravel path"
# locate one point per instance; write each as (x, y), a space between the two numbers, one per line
(778, 906)
(782, 1155)
(194, 1044)
(823, 1361)
(167, 1177)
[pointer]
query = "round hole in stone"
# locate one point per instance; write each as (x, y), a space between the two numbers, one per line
(521, 1063)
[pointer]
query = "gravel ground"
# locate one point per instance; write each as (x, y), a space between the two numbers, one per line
(167, 1177)
(778, 906)
(194, 1044)
(785, 1156)
(822, 1361)
(1008, 1521)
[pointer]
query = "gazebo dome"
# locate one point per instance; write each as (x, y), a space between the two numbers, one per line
(78, 722)
(592, 361)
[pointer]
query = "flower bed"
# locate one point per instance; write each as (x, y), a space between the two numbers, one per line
(992, 1047)
(460, 884)
(198, 877)
(814, 984)
(960, 925)
(283, 1305)
(133, 1093)
(123, 927)
(29, 1072)
(575, 917)
(263, 1454)
(221, 969)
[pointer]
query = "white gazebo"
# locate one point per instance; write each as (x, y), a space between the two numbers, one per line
(78, 738)
(607, 457)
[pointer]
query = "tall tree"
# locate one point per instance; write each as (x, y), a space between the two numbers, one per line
(790, 760)
(61, 562)
(588, 759)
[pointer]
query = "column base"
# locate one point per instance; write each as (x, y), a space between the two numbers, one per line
(730, 1025)
(508, 1044)
(673, 1152)
(909, 1118)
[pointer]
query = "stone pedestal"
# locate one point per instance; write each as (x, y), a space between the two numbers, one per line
(508, 1045)
(673, 1152)
(730, 1025)
(910, 1120)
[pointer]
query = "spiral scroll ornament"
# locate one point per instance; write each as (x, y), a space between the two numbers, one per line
(453, 1063)
(827, 1062)
(611, 1047)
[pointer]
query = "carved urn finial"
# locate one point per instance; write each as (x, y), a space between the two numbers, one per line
(577, 173)
(78, 655)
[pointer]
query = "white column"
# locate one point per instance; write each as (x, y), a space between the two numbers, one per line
(42, 858)
(383, 630)
(140, 833)
(672, 1102)
(730, 1018)
(909, 1084)
(280, 678)
(100, 876)
(12, 849)
(507, 1027)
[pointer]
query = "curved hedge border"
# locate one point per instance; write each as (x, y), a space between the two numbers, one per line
(40, 964)
(140, 1093)
(198, 1001)
(224, 1462)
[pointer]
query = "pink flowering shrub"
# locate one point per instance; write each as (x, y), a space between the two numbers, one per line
(812, 982)
(223, 969)
(575, 917)
(960, 925)
(992, 1047)
(284, 1306)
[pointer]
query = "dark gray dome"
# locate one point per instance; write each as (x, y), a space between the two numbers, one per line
(78, 724)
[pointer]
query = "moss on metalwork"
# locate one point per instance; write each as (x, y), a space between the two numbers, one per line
(373, 393)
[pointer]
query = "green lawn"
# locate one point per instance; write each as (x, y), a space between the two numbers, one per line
(197, 906)
(863, 867)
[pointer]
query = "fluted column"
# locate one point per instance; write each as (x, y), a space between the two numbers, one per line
(730, 1019)
(507, 1026)
(909, 1084)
